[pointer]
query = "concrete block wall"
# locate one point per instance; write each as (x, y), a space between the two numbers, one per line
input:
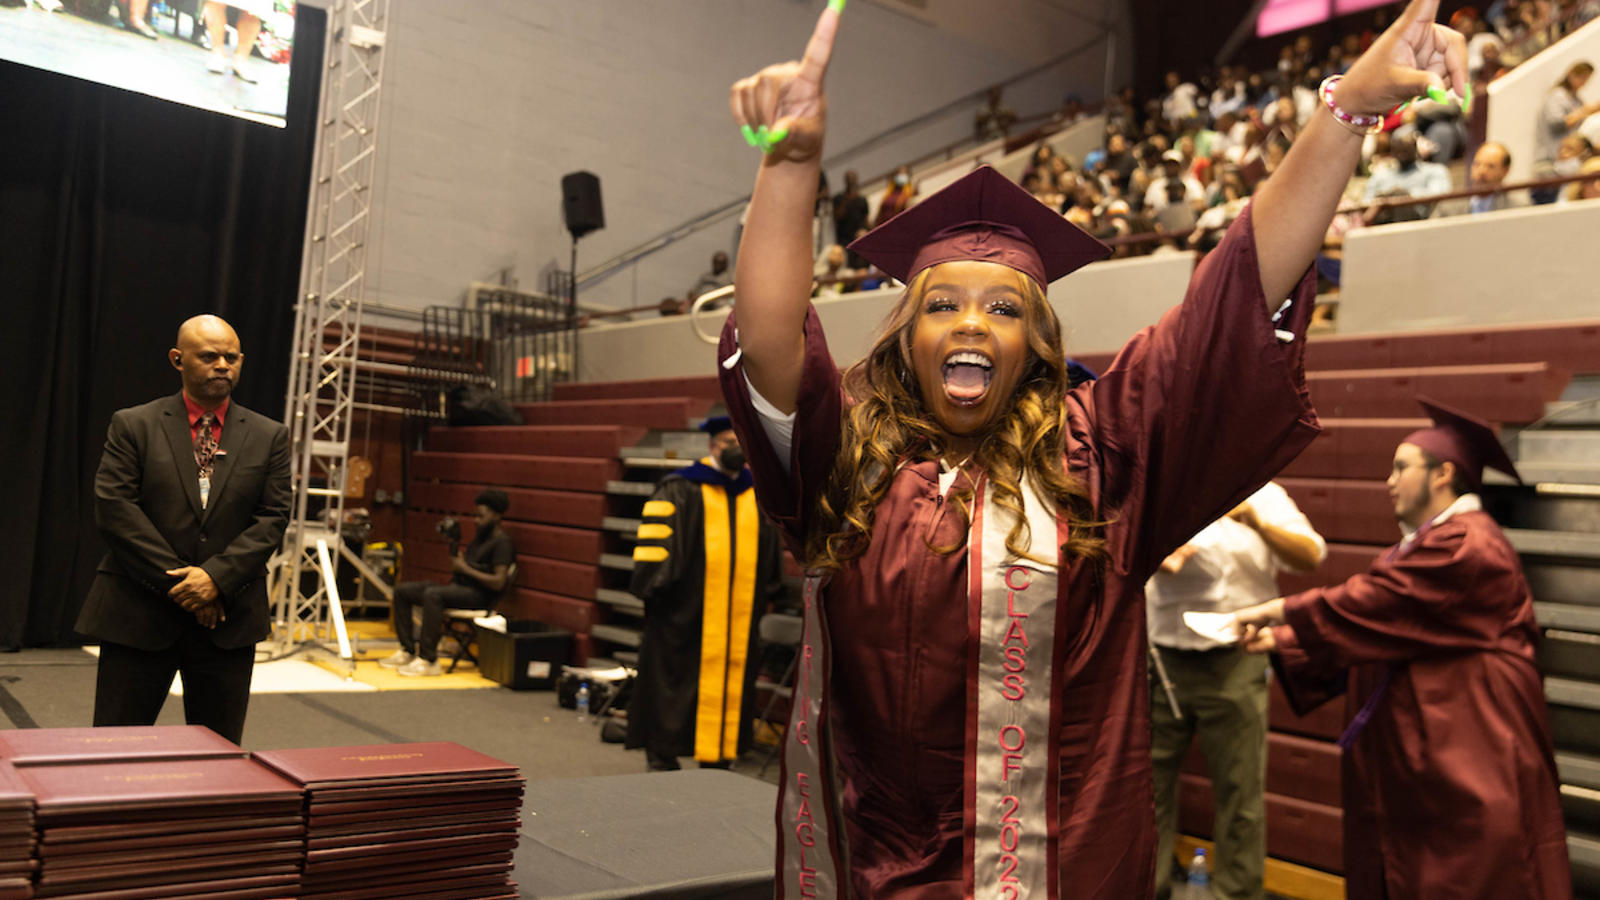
(487, 104)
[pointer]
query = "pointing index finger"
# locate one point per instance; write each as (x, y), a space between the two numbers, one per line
(819, 49)
(1425, 11)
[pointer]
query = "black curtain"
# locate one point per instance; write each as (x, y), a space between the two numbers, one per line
(120, 216)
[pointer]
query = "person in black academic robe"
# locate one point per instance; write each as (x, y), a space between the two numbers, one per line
(707, 567)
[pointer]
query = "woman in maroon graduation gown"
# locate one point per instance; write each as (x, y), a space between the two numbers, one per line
(970, 709)
(1450, 784)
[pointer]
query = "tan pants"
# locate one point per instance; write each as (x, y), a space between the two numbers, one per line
(1223, 697)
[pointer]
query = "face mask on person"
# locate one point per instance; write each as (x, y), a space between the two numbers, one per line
(731, 459)
(1568, 166)
(902, 180)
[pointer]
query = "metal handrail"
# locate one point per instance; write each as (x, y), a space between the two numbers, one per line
(1148, 237)
(605, 269)
(700, 304)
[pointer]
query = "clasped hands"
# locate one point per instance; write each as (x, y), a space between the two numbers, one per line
(198, 594)
(1254, 625)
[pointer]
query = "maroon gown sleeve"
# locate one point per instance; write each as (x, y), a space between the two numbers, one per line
(1453, 593)
(787, 489)
(1307, 683)
(1201, 409)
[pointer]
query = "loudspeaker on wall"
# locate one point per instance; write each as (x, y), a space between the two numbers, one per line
(580, 203)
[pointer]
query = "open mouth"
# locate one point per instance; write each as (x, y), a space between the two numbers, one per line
(966, 377)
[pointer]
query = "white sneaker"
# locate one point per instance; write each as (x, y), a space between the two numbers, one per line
(217, 64)
(420, 666)
(396, 659)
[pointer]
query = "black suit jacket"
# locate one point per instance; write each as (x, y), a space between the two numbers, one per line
(147, 506)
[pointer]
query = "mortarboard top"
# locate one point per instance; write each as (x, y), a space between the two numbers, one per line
(716, 425)
(982, 217)
(1465, 440)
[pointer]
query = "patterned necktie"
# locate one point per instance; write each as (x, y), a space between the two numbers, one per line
(205, 452)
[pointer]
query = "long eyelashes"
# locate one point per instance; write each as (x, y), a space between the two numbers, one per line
(997, 307)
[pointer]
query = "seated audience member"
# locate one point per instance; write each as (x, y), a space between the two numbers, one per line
(1119, 162)
(1493, 65)
(1563, 113)
(1589, 188)
(1178, 105)
(670, 306)
(1138, 189)
(1411, 177)
(718, 276)
(829, 271)
(1061, 167)
(1228, 98)
(1211, 224)
(1489, 167)
(1040, 161)
(1050, 191)
(477, 576)
(1248, 155)
(1174, 185)
(1282, 120)
(1484, 48)
(1575, 150)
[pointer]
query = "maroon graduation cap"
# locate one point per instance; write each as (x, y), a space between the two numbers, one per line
(984, 217)
(1467, 441)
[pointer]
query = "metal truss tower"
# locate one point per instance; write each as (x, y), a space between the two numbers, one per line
(321, 395)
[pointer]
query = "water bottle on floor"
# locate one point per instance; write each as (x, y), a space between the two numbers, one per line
(1199, 887)
(583, 702)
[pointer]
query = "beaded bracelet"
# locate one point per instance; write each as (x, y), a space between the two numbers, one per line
(1371, 124)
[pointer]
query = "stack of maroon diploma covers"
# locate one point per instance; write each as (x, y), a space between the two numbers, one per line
(161, 811)
(16, 836)
(49, 746)
(202, 826)
(433, 821)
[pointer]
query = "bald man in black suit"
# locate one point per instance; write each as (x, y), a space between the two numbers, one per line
(192, 496)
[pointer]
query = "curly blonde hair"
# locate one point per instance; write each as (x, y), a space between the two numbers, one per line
(889, 424)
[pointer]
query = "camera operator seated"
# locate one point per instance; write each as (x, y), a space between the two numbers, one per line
(478, 575)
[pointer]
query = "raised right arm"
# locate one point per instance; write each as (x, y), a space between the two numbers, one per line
(772, 280)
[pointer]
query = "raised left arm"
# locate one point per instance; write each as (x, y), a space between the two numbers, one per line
(1293, 207)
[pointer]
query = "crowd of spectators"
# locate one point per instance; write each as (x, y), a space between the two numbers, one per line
(1175, 168)
(1183, 162)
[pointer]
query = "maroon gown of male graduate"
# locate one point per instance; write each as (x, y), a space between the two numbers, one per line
(1450, 788)
(1195, 413)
